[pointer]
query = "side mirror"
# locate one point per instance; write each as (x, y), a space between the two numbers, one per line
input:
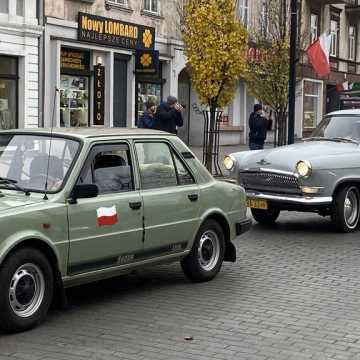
(83, 191)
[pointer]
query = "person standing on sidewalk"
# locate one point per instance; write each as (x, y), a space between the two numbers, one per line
(148, 119)
(169, 115)
(258, 126)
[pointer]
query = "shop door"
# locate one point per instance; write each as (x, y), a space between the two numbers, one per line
(120, 91)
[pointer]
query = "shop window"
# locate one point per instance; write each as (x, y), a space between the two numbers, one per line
(4, 6)
(8, 92)
(152, 6)
(312, 104)
(20, 7)
(119, 2)
(74, 87)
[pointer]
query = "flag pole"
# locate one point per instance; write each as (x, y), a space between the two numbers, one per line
(292, 77)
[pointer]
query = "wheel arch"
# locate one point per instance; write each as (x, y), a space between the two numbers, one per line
(51, 254)
(230, 250)
(346, 182)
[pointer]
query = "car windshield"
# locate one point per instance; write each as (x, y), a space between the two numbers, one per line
(34, 162)
(339, 127)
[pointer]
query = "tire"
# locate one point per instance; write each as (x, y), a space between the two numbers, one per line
(27, 284)
(345, 209)
(265, 217)
(207, 254)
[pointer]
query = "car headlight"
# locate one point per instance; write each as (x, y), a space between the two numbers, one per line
(229, 162)
(303, 168)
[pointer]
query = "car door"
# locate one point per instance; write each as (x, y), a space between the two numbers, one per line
(170, 197)
(107, 230)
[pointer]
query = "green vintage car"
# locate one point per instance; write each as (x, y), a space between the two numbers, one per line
(79, 205)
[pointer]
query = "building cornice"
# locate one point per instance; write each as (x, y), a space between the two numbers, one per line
(21, 29)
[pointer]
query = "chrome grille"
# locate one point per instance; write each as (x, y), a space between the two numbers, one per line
(269, 182)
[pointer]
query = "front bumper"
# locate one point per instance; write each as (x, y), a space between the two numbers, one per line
(291, 199)
(243, 226)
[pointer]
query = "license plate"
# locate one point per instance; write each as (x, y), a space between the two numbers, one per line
(257, 204)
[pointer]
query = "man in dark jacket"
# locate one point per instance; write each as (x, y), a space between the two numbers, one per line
(169, 116)
(258, 125)
(148, 119)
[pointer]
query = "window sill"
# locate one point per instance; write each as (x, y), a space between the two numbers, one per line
(110, 5)
(152, 14)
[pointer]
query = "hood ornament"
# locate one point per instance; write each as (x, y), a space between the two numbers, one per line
(263, 162)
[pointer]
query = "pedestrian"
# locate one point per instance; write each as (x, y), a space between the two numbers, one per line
(148, 119)
(169, 116)
(258, 125)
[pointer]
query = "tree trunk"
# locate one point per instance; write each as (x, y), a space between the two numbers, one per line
(210, 144)
(282, 133)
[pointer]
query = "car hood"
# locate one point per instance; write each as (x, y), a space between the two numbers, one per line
(8, 202)
(285, 157)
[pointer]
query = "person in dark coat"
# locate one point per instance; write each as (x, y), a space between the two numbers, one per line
(148, 119)
(258, 125)
(169, 116)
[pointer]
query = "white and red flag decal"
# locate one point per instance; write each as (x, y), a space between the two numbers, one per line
(319, 55)
(107, 216)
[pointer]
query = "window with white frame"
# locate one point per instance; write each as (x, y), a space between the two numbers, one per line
(152, 6)
(264, 18)
(334, 32)
(119, 2)
(312, 104)
(4, 6)
(244, 12)
(314, 27)
(352, 42)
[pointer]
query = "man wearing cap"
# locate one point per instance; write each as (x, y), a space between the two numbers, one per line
(169, 116)
(258, 126)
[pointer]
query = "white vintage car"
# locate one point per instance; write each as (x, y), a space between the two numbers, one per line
(321, 174)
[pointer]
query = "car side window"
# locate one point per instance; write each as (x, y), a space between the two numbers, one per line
(156, 165)
(110, 169)
(184, 176)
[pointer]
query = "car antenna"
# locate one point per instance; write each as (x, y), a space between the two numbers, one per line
(51, 138)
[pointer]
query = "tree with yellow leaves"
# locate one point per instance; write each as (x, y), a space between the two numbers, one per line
(215, 46)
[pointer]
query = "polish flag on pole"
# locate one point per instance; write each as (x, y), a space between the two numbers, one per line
(319, 55)
(107, 216)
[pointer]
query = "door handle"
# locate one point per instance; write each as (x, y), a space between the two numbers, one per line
(135, 205)
(193, 197)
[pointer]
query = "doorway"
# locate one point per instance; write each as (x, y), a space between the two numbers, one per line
(184, 95)
(120, 90)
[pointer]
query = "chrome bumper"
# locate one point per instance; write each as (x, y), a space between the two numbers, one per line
(301, 200)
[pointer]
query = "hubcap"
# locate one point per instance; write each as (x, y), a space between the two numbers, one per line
(351, 208)
(27, 288)
(209, 250)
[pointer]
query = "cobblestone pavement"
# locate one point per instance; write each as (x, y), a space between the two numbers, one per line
(293, 294)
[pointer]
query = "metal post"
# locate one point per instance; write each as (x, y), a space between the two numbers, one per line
(292, 78)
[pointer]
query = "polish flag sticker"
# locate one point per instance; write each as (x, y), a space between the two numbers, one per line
(107, 216)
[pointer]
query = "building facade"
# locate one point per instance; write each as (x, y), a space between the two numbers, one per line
(80, 35)
(20, 63)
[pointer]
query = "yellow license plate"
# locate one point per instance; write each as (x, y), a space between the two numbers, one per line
(257, 204)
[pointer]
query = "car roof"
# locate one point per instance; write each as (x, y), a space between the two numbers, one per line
(90, 132)
(346, 112)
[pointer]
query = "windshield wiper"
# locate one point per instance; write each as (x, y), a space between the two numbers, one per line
(13, 183)
(346, 139)
(336, 139)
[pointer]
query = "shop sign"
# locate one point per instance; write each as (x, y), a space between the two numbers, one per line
(99, 94)
(147, 62)
(356, 86)
(107, 31)
(73, 59)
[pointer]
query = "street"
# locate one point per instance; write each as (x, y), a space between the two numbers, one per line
(294, 293)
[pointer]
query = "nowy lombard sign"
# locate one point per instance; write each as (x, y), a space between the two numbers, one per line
(112, 32)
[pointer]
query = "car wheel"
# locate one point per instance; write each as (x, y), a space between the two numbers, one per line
(266, 217)
(345, 209)
(207, 254)
(26, 283)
